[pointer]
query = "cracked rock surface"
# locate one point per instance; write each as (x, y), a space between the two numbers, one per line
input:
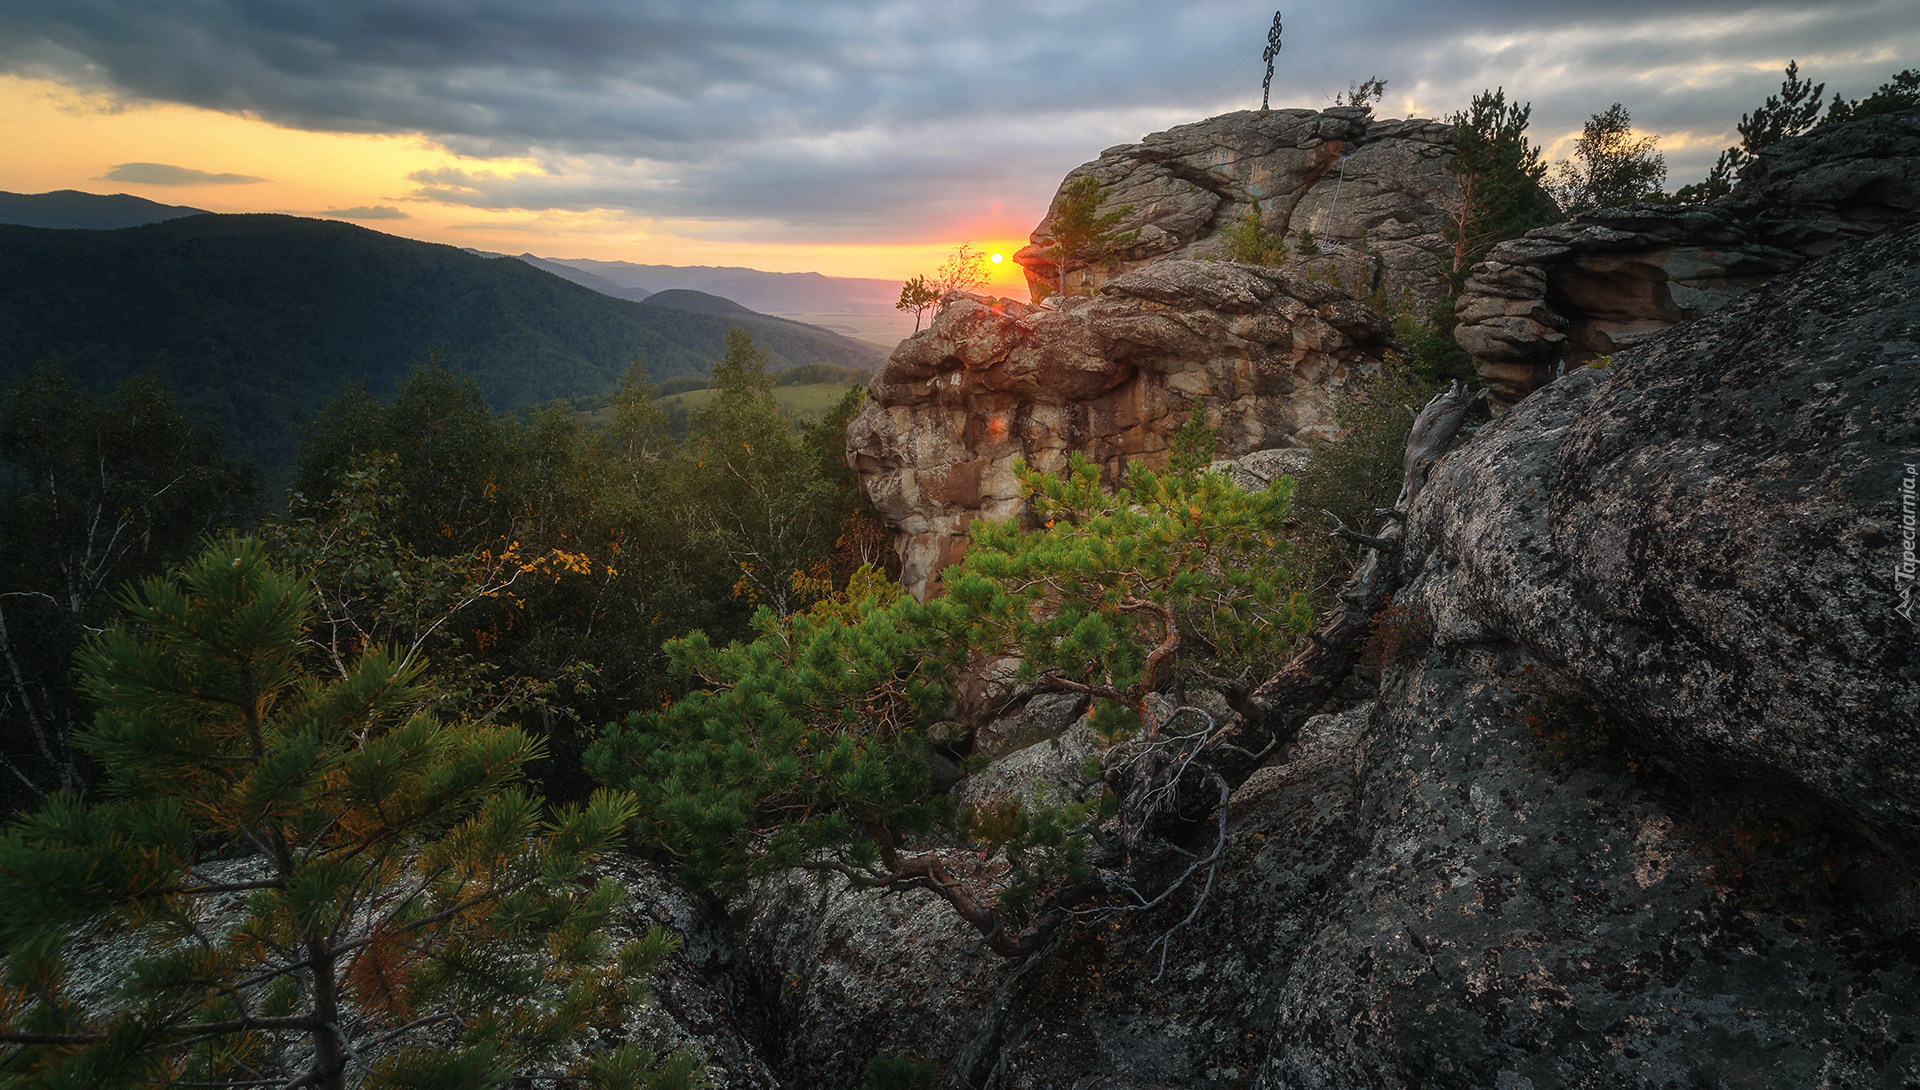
(1378, 190)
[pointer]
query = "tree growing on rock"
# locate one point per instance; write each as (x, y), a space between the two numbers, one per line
(1790, 113)
(1363, 94)
(805, 749)
(1610, 166)
(301, 881)
(1902, 92)
(1499, 173)
(918, 296)
(965, 269)
(1251, 241)
(1082, 235)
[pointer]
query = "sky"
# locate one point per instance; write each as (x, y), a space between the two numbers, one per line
(857, 138)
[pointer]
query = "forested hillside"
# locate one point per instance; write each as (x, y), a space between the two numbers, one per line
(258, 320)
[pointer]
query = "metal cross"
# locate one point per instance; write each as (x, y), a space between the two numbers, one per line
(1273, 50)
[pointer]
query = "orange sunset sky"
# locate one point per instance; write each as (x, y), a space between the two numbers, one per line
(853, 138)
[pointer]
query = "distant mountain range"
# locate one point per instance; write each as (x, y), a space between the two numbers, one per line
(258, 320)
(856, 306)
(70, 209)
(769, 292)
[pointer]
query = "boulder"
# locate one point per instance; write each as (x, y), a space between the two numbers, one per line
(1702, 542)
(1706, 535)
(1607, 280)
(1377, 191)
(1112, 378)
(844, 975)
(697, 1001)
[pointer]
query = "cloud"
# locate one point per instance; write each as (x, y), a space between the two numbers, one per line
(167, 174)
(883, 117)
(368, 212)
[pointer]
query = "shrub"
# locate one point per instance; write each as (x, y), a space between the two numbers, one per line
(1354, 475)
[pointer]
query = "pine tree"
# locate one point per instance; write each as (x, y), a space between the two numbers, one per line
(1249, 240)
(1902, 92)
(1499, 173)
(804, 748)
(309, 882)
(1791, 112)
(752, 496)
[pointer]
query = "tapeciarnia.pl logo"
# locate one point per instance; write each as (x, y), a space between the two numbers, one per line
(1908, 566)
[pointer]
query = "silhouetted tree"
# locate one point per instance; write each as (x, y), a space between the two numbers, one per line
(1791, 112)
(1610, 166)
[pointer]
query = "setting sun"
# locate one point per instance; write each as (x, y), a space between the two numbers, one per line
(997, 259)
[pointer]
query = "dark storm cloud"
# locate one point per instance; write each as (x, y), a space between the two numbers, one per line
(871, 116)
(167, 174)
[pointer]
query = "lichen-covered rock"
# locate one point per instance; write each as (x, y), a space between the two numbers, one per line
(696, 1001)
(1702, 540)
(1043, 716)
(1257, 471)
(1172, 999)
(845, 975)
(1054, 771)
(1378, 191)
(1707, 533)
(1112, 378)
(1607, 280)
(1509, 923)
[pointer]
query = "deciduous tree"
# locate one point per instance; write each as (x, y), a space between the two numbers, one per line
(965, 269)
(96, 491)
(917, 296)
(1610, 166)
(751, 496)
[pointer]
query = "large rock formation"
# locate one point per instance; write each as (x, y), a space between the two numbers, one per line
(1607, 280)
(1634, 805)
(1112, 378)
(1377, 189)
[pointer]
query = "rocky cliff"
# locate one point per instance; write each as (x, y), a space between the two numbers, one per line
(1378, 191)
(1111, 377)
(1607, 280)
(1633, 804)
